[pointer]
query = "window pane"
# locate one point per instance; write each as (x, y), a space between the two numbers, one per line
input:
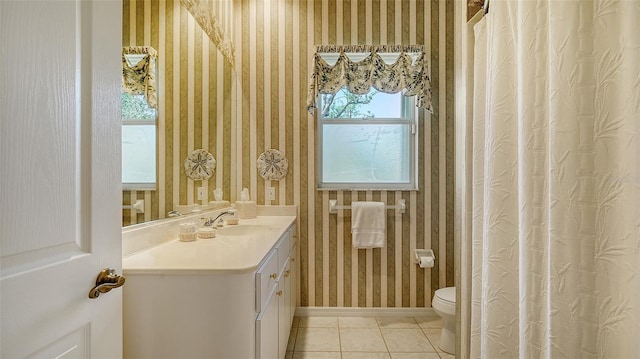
(135, 107)
(138, 154)
(375, 104)
(365, 153)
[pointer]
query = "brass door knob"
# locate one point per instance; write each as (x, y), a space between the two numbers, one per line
(279, 293)
(273, 275)
(286, 273)
(107, 280)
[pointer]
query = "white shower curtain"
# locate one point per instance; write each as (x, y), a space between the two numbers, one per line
(556, 181)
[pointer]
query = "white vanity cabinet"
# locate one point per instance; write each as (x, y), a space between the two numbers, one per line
(198, 310)
(276, 300)
(284, 309)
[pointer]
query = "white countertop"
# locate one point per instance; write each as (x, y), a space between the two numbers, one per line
(224, 253)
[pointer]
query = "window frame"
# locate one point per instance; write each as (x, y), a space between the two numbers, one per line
(143, 186)
(411, 121)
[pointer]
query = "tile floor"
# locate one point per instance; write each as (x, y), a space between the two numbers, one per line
(365, 338)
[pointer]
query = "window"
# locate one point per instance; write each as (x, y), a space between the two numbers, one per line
(366, 98)
(138, 143)
(366, 141)
(138, 139)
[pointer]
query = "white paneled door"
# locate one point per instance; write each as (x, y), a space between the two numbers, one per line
(59, 177)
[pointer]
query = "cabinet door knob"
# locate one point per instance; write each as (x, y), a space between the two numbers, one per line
(273, 275)
(279, 293)
(293, 259)
(286, 273)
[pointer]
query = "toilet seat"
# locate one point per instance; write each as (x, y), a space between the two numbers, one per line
(444, 300)
(447, 294)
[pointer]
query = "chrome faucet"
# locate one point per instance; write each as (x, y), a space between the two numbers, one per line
(212, 221)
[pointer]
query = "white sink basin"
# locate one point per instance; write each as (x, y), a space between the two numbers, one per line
(243, 230)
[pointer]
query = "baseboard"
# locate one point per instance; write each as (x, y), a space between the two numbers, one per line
(364, 312)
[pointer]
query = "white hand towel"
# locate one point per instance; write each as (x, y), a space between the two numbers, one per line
(368, 224)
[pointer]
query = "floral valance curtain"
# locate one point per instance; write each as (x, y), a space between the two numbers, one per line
(139, 78)
(408, 74)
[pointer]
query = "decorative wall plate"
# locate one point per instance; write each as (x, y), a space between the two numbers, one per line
(200, 165)
(272, 165)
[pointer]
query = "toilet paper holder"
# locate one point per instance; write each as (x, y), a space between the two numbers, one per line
(423, 253)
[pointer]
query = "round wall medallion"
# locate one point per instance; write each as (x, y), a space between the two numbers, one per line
(272, 165)
(200, 165)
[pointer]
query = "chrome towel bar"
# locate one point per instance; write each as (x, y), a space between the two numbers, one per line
(401, 206)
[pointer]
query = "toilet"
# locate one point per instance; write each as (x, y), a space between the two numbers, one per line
(444, 304)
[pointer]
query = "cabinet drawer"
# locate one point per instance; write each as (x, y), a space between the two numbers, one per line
(284, 247)
(266, 277)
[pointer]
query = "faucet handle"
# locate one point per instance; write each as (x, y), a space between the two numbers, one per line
(207, 221)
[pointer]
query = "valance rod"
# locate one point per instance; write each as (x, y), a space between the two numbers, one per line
(140, 50)
(369, 48)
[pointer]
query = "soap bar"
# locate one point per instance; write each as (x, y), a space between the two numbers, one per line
(246, 209)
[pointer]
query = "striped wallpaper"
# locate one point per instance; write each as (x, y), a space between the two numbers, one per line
(195, 97)
(274, 42)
